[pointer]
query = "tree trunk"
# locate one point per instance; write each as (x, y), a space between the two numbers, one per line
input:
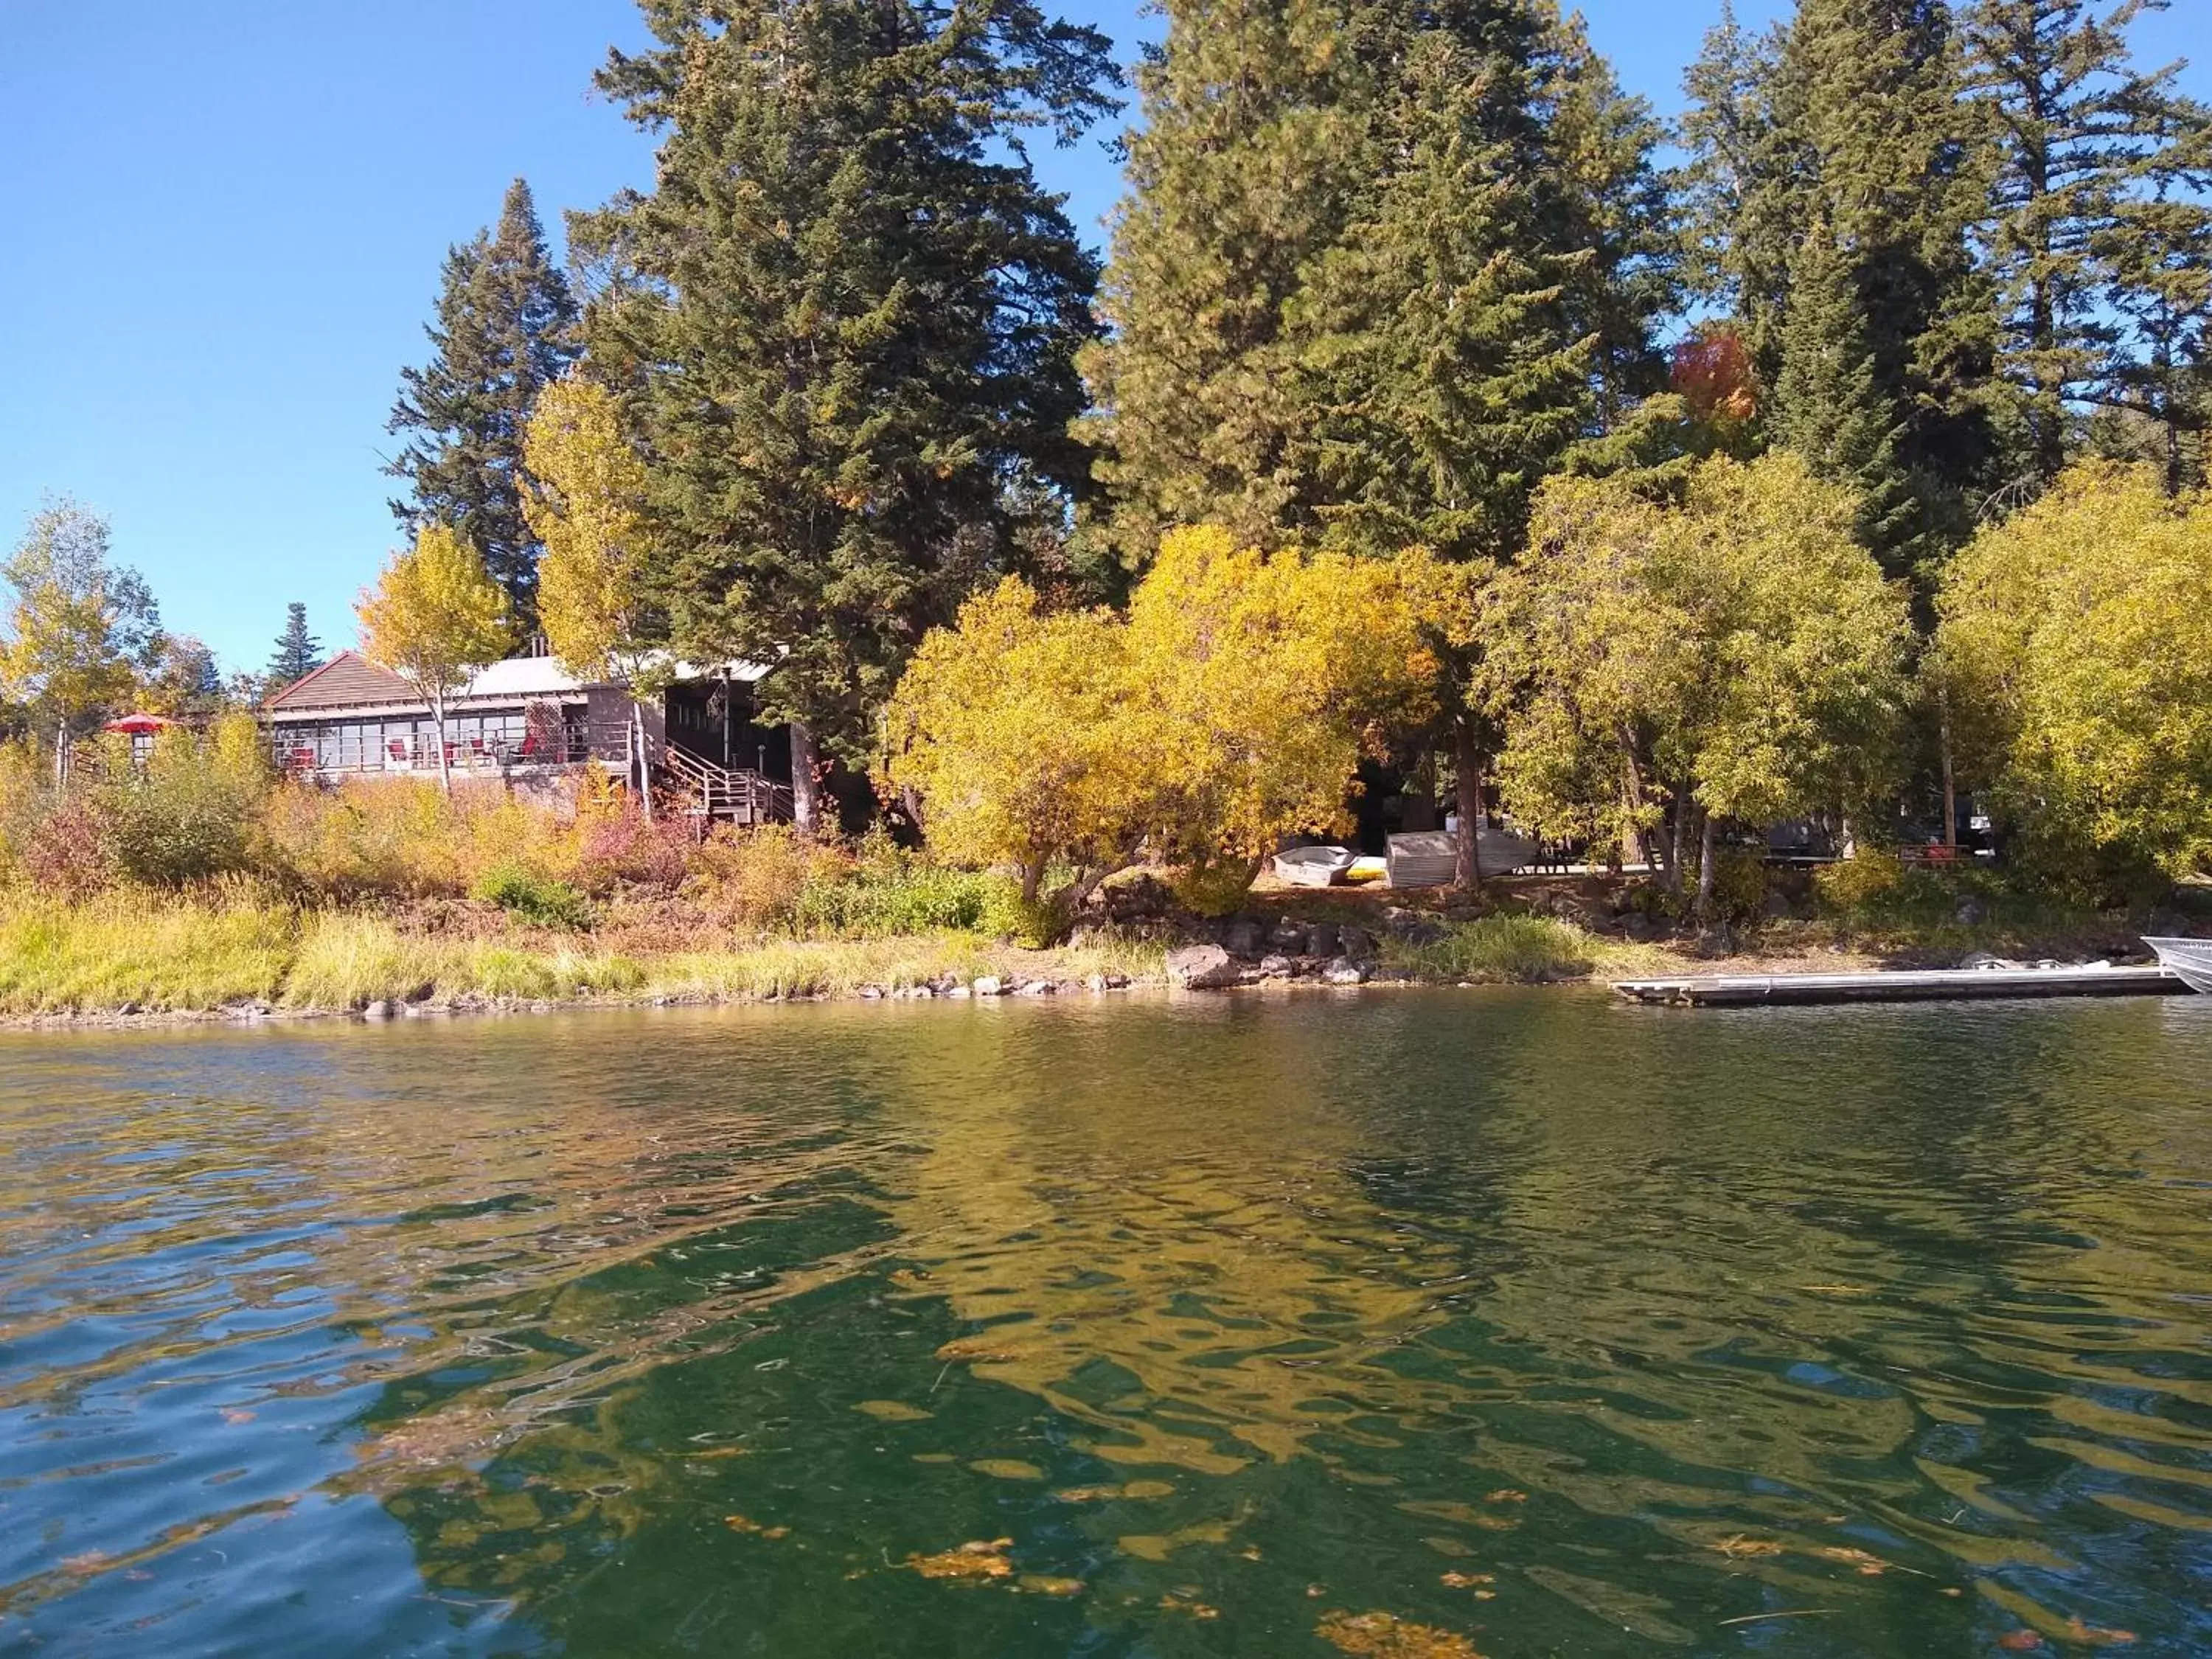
(1708, 863)
(1632, 847)
(438, 729)
(805, 803)
(1683, 806)
(1467, 756)
(61, 755)
(644, 759)
(1950, 783)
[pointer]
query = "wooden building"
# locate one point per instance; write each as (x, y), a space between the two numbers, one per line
(526, 719)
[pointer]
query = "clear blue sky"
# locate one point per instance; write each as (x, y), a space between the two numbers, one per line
(225, 220)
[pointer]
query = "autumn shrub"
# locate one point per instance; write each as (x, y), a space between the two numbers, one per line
(1740, 885)
(1855, 883)
(522, 892)
(756, 879)
(371, 838)
(1217, 888)
(65, 849)
(191, 810)
(623, 844)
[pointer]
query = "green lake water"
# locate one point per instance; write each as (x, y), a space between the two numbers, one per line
(1398, 1324)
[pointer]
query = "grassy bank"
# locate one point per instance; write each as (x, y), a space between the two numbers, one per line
(142, 953)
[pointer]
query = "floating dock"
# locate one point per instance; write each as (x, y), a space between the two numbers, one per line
(1948, 985)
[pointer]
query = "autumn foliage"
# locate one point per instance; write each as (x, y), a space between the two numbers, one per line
(1227, 708)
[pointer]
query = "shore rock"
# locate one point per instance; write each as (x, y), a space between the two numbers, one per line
(377, 1011)
(1277, 966)
(1242, 938)
(1202, 967)
(1344, 971)
(989, 986)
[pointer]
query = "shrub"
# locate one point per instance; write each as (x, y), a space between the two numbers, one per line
(877, 900)
(64, 848)
(757, 879)
(621, 844)
(1857, 883)
(1739, 887)
(189, 814)
(522, 892)
(1216, 889)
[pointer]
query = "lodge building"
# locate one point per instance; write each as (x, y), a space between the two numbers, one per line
(525, 720)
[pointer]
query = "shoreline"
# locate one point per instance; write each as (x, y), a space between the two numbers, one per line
(1652, 963)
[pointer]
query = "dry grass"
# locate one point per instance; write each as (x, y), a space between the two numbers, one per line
(162, 953)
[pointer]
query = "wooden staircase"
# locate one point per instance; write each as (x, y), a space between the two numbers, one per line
(721, 793)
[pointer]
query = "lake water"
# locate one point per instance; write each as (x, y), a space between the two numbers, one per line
(1408, 1325)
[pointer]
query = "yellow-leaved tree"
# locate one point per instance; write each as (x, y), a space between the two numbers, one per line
(1733, 654)
(1225, 711)
(78, 627)
(587, 507)
(435, 618)
(1263, 676)
(2075, 649)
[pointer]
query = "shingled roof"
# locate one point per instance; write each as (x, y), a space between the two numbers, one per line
(348, 680)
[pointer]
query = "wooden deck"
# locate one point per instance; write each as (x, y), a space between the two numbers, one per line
(1951, 985)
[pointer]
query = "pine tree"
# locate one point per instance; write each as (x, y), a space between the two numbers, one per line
(2093, 235)
(298, 652)
(505, 320)
(851, 315)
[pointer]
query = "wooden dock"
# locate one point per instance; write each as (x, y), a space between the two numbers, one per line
(1950, 985)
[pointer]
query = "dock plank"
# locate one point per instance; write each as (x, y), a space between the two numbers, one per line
(1946, 985)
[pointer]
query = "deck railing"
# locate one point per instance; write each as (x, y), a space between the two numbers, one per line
(473, 755)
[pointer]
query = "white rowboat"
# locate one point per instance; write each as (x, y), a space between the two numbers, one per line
(2189, 960)
(1314, 866)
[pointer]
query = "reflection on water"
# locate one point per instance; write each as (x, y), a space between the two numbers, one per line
(1510, 1323)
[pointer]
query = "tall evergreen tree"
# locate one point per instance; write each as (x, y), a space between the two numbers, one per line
(2097, 233)
(504, 328)
(1279, 143)
(1851, 119)
(298, 652)
(1252, 147)
(849, 314)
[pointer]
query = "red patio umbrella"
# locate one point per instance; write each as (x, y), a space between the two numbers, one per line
(138, 724)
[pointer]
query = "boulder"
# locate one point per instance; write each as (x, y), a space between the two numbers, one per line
(1277, 966)
(1355, 943)
(1202, 967)
(989, 986)
(1241, 937)
(1344, 971)
(1322, 939)
(1289, 938)
(378, 1012)
(1037, 988)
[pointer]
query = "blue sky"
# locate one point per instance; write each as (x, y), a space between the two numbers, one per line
(226, 219)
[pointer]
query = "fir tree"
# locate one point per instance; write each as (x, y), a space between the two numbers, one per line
(1443, 374)
(298, 652)
(1279, 143)
(850, 316)
(504, 323)
(1244, 171)
(2093, 235)
(1850, 118)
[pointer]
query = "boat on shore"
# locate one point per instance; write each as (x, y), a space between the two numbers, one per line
(2189, 960)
